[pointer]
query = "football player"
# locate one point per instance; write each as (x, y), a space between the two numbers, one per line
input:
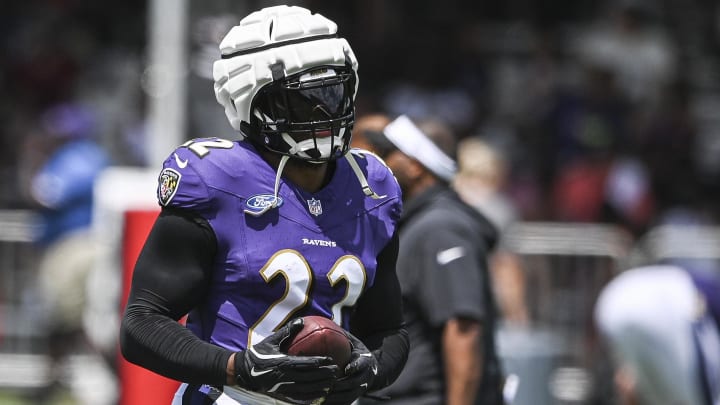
(253, 234)
(660, 322)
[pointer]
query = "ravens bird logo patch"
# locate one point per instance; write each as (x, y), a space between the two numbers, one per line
(167, 185)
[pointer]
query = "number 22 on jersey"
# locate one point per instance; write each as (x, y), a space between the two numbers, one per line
(293, 267)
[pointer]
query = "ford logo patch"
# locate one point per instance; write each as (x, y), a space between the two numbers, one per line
(262, 202)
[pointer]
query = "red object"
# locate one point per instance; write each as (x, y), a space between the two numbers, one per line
(139, 386)
(579, 192)
(321, 337)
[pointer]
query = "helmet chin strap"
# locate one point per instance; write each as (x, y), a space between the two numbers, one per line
(361, 177)
(297, 148)
(281, 166)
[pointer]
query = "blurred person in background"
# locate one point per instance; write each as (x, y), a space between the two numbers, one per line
(367, 133)
(661, 323)
(64, 161)
(593, 172)
(480, 182)
(443, 270)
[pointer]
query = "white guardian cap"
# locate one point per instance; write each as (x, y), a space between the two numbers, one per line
(288, 83)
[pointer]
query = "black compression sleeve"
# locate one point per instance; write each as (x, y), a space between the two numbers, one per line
(170, 278)
(378, 319)
(391, 357)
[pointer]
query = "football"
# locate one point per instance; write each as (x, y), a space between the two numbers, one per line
(321, 336)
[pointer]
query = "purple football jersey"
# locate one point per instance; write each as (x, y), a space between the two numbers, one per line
(314, 254)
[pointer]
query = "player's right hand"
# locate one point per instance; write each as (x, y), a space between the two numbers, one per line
(358, 375)
(297, 379)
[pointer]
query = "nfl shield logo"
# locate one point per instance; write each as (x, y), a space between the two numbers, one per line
(315, 207)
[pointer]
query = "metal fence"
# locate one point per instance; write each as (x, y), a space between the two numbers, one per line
(24, 363)
(556, 353)
(18, 259)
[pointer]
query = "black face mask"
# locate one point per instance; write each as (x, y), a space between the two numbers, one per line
(324, 94)
(317, 102)
(306, 105)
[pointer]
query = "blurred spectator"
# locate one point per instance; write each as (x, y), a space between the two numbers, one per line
(367, 133)
(65, 161)
(594, 174)
(661, 326)
(480, 182)
(629, 197)
(615, 191)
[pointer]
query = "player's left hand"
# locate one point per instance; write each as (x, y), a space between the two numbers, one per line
(359, 375)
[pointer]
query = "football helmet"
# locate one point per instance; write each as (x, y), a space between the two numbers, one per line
(288, 83)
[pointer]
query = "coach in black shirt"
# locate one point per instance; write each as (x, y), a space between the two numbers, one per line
(443, 270)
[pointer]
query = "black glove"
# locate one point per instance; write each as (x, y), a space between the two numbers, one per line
(296, 379)
(359, 375)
